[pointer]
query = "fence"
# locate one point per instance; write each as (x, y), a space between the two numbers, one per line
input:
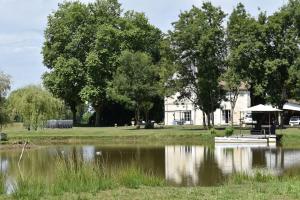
(59, 124)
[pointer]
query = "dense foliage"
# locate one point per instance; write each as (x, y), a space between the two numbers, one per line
(82, 46)
(136, 82)
(200, 58)
(199, 43)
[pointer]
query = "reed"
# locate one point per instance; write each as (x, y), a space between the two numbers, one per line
(78, 176)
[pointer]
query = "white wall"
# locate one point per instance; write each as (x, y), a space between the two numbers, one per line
(173, 107)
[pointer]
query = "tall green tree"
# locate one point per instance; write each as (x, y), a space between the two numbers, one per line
(283, 54)
(101, 59)
(136, 82)
(115, 34)
(199, 42)
(82, 45)
(34, 105)
(67, 41)
(246, 39)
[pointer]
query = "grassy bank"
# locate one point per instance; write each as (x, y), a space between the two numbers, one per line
(167, 135)
(78, 180)
(127, 135)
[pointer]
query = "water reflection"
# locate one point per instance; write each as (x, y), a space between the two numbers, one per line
(179, 165)
(182, 163)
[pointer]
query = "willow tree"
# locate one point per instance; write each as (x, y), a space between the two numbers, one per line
(198, 40)
(34, 106)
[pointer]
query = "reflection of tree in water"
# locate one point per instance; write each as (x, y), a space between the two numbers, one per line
(209, 171)
(148, 159)
(258, 158)
(34, 163)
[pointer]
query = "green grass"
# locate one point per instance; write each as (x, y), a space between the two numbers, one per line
(83, 177)
(129, 182)
(291, 137)
(184, 135)
(120, 135)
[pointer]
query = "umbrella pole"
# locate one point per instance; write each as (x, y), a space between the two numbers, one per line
(269, 123)
(240, 122)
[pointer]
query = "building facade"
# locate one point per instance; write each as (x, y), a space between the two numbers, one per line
(185, 113)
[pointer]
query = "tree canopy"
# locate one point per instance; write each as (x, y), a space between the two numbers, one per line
(198, 40)
(136, 82)
(84, 55)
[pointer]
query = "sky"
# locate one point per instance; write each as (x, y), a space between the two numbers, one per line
(22, 25)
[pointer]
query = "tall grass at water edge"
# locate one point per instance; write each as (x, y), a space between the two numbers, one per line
(77, 176)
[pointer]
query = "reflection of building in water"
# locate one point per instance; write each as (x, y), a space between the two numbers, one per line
(182, 164)
(246, 158)
(279, 159)
(88, 153)
(233, 159)
(3, 165)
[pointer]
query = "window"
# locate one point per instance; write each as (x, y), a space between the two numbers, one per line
(187, 116)
(226, 115)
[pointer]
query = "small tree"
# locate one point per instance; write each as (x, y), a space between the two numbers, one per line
(34, 105)
(232, 84)
(135, 82)
(4, 87)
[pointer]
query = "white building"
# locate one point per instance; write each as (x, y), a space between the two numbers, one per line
(186, 113)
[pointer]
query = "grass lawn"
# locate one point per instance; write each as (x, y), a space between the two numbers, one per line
(248, 189)
(179, 135)
(167, 135)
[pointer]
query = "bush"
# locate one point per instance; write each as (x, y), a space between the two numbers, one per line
(229, 131)
(213, 131)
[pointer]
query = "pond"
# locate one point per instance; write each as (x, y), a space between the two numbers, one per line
(178, 165)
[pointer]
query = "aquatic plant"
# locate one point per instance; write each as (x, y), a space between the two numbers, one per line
(76, 176)
(229, 131)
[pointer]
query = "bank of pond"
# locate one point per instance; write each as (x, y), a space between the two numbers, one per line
(73, 169)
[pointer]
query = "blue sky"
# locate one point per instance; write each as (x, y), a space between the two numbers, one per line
(22, 24)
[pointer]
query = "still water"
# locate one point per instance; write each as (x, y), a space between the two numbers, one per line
(179, 165)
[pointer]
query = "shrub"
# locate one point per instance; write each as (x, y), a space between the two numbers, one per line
(213, 131)
(229, 131)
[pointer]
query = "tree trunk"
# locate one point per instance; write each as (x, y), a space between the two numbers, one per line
(208, 120)
(203, 118)
(213, 119)
(281, 119)
(147, 116)
(137, 117)
(231, 115)
(97, 119)
(74, 111)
